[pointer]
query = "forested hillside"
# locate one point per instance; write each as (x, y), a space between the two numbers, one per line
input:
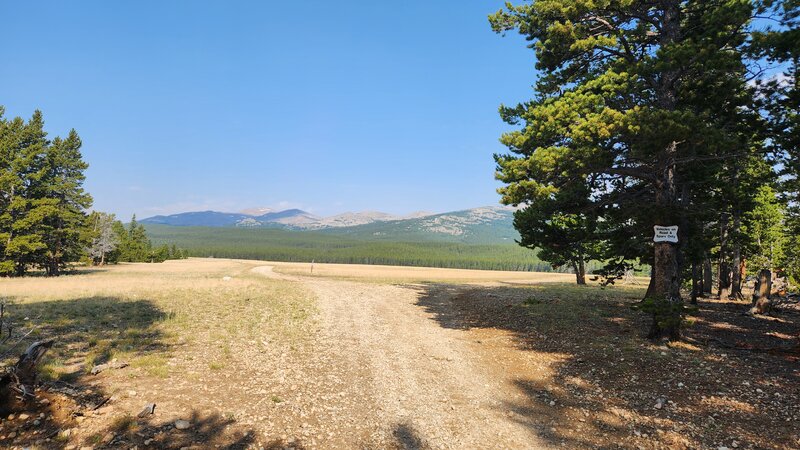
(283, 245)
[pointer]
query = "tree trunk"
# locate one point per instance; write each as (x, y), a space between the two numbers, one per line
(761, 295)
(736, 274)
(697, 282)
(666, 296)
(665, 301)
(724, 280)
(708, 279)
(650, 285)
(724, 272)
(580, 272)
(742, 274)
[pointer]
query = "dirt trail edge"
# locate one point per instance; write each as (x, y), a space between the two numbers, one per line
(426, 386)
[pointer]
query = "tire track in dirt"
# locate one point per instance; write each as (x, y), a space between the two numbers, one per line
(427, 385)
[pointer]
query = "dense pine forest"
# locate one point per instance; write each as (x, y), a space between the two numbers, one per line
(306, 246)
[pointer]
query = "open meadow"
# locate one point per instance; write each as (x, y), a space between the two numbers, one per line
(248, 354)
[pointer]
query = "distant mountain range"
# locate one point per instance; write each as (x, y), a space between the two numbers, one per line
(490, 224)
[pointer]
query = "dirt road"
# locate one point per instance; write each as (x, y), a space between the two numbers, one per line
(417, 384)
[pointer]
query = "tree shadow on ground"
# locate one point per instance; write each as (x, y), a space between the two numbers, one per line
(86, 331)
(407, 438)
(204, 431)
(605, 386)
(75, 407)
(90, 330)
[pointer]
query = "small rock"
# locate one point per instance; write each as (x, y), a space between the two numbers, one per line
(182, 424)
(659, 403)
(23, 416)
(226, 278)
(148, 441)
(108, 438)
(37, 422)
(44, 401)
(552, 403)
(12, 435)
(131, 393)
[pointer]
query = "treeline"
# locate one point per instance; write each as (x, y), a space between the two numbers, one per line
(44, 222)
(306, 246)
(660, 114)
(110, 242)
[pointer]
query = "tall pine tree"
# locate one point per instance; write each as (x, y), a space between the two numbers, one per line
(42, 201)
(618, 103)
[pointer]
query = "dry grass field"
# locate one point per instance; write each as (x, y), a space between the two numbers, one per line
(407, 274)
(267, 355)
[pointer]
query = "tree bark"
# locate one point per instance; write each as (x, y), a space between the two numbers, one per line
(762, 304)
(697, 282)
(580, 272)
(736, 274)
(724, 280)
(724, 272)
(665, 301)
(650, 285)
(708, 278)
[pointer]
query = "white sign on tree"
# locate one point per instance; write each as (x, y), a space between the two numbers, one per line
(665, 234)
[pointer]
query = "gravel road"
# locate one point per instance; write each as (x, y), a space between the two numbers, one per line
(397, 378)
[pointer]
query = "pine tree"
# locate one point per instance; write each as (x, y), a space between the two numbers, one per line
(562, 239)
(632, 95)
(64, 188)
(25, 205)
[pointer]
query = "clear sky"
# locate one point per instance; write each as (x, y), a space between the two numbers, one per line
(329, 106)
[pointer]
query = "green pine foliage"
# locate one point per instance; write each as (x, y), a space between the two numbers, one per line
(42, 201)
(135, 246)
(651, 105)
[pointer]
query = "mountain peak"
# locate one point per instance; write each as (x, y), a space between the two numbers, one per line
(256, 211)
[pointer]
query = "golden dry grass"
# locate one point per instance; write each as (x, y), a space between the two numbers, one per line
(137, 312)
(407, 274)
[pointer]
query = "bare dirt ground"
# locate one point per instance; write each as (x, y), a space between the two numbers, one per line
(425, 383)
(257, 355)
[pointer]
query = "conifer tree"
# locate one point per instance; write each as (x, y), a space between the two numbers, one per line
(631, 95)
(25, 205)
(64, 192)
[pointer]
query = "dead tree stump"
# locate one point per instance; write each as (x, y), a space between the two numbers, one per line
(761, 294)
(19, 381)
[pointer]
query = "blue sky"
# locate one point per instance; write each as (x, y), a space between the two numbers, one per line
(325, 106)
